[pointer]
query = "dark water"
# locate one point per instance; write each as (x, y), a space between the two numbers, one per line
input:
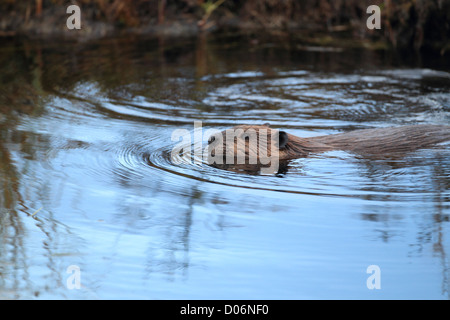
(89, 182)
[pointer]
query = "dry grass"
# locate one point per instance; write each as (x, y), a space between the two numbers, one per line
(405, 23)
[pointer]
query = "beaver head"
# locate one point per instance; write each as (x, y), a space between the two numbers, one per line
(254, 144)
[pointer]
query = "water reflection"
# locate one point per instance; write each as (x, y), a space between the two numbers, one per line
(85, 134)
(18, 259)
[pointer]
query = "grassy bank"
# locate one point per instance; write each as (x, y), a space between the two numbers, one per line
(404, 23)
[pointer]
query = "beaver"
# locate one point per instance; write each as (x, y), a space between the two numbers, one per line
(244, 144)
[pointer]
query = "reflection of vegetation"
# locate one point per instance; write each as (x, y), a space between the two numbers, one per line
(21, 92)
(29, 71)
(431, 226)
(20, 81)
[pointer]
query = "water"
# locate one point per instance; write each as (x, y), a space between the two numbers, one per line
(89, 182)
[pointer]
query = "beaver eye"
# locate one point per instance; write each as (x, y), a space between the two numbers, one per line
(283, 139)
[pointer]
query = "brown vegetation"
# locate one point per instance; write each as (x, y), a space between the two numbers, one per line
(405, 23)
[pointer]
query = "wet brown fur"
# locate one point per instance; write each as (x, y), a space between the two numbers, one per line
(379, 141)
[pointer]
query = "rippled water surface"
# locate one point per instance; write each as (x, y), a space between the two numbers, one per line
(89, 181)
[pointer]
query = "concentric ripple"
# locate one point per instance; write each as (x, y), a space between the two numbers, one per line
(126, 138)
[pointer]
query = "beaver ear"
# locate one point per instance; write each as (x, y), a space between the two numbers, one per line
(282, 139)
(266, 124)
